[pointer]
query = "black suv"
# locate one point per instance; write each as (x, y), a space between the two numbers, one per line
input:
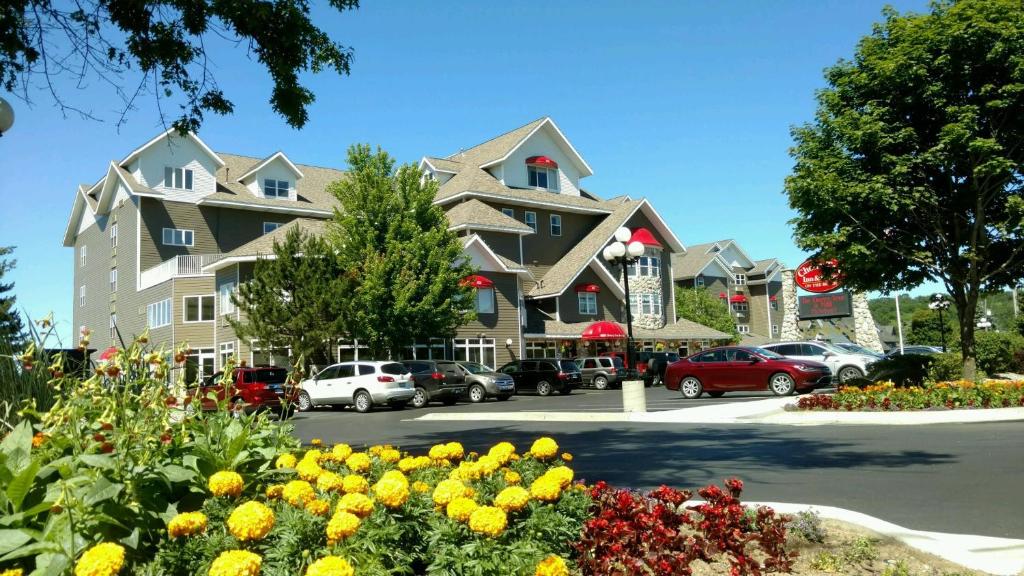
(544, 375)
(436, 380)
(656, 363)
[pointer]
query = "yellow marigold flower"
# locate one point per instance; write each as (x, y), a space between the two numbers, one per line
(438, 452)
(407, 464)
(552, 566)
(316, 442)
(455, 451)
(355, 483)
(563, 474)
(298, 493)
(396, 475)
(488, 464)
(274, 491)
(236, 563)
(342, 525)
(330, 566)
(566, 457)
(461, 508)
(512, 477)
(392, 492)
(544, 448)
(468, 471)
(546, 489)
(251, 521)
(420, 487)
(375, 449)
(341, 451)
(390, 455)
(319, 507)
(330, 482)
(184, 524)
(512, 499)
(309, 470)
(286, 461)
(356, 503)
(12, 572)
(502, 451)
(488, 520)
(358, 462)
(448, 490)
(105, 559)
(313, 454)
(225, 483)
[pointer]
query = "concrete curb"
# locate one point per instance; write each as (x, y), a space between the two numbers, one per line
(1001, 556)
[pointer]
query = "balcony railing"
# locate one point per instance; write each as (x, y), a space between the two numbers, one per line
(177, 267)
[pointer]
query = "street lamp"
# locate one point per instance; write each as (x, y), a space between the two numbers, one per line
(624, 252)
(6, 116)
(940, 303)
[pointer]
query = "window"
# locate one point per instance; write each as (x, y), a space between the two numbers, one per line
(158, 314)
(740, 279)
(647, 265)
(198, 308)
(699, 281)
(510, 212)
(227, 350)
(178, 237)
(269, 227)
(775, 329)
(113, 279)
(738, 355)
(546, 178)
(649, 304)
(479, 350)
(590, 363)
(541, 349)
(81, 295)
(275, 188)
(113, 326)
(775, 303)
(740, 307)
(743, 328)
(485, 300)
(587, 302)
(556, 225)
(113, 235)
(226, 305)
(365, 369)
(531, 220)
(178, 178)
(82, 253)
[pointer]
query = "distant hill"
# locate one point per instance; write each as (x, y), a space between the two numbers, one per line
(884, 309)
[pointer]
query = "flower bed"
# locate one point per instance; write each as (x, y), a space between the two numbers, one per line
(885, 396)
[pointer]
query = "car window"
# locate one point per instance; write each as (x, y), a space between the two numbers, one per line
(569, 366)
(328, 373)
(346, 371)
(547, 366)
(738, 355)
(529, 367)
(785, 349)
(592, 363)
(617, 362)
(712, 356)
(271, 375)
(509, 368)
(365, 369)
(393, 368)
(448, 367)
(418, 367)
(475, 368)
(770, 354)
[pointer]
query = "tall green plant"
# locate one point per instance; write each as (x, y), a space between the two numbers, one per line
(700, 306)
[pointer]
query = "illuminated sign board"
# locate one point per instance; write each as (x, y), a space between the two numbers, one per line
(836, 305)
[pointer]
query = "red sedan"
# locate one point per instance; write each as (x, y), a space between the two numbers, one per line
(744, 368)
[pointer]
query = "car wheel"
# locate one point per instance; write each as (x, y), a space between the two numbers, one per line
(420, 399)
(504, 397)
(782, 384)
(363, 402)
(477, 393)
(848, 373)
(716, 394)
(601, 383)
(305, 402)
(691, 388)
(543, 388)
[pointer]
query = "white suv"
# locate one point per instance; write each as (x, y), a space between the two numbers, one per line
(845, 365)
(361, 384)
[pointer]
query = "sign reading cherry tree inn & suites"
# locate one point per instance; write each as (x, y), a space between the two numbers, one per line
(824, 303)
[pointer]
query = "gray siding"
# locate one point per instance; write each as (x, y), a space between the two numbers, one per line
(609, 307)
(543, 249)
(501, 325)
(502, 243)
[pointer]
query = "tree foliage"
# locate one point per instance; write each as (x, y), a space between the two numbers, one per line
(700, 306)
(925, 328)
(162, 46)
(12, 330)
(294, 299)
(406, 266)
(911, 171)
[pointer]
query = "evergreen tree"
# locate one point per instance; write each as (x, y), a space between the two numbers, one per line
(405, 265)
(11, 328)
(700, 306)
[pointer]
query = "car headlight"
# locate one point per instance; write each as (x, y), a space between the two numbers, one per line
(806, 368)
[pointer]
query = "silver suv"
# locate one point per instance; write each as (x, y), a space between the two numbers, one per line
(845, 365)
(485, 383)
(601, 372)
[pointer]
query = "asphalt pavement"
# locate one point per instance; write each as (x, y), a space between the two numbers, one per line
(957, 478)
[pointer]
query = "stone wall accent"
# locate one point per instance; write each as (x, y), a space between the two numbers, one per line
(649, 285)
(790, 308)
(864, 330)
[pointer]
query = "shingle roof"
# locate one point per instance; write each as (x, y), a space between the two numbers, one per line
(265, 244)
(135, 185)
(495, 147)
(682, 330)
(444, 164)
(311, 190)
(692, 262)
(475, 213)
(761, 266)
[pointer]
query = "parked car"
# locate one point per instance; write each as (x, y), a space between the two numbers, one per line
(544, 375)
(436, 381)
(845, 365)
(252, 388)
(361, 384)
(857, 349)
(483, 383)
(744, 368)
(601, 372)
(921, 350)
(655, 365)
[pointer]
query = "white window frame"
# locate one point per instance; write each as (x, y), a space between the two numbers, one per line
(113, 326)
(773, 303)
(541, 349)
(743, 328)
(648, 265)
(81, 296)
(510, 212)
(698, 282)
(775, 329)
(475, 350)
(187, 237)
(113, 235)
(740, 307)
(83, 255)
(485, 303)
(226, 305)
(533, 179)
(277, 189)
(201, 308)
(556, 224)
(587, 302)
(178, 178)
(158, 314)
(269, 227)
(113, 279)
(646, 303)
(739, 279)
(227, 350)
(531, 219)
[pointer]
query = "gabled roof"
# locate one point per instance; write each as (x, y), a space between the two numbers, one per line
(762, 266)
(474, 182)
(263, 246)
(275, 156)
(499, 263)
(695, 261)
(498, 149)
(442, 164)
(475, 215)
(164, 137)
(312, 197)
(726, 243)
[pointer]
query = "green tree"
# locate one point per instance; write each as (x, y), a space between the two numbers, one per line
(294, 298)
(911, 171)
(11, 328)
(163, 44)
(700, 306)
(406, 265)
(925, 328)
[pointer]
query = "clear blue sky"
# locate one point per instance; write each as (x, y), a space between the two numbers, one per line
(686, 103)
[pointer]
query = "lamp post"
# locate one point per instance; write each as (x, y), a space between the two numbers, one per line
(940, 303)
(624, 253)
(6, 116)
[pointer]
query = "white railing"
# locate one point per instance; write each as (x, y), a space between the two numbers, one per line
(177, 267)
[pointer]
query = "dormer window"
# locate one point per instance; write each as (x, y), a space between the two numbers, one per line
(177, 178)
(276, 188)
(542, 173)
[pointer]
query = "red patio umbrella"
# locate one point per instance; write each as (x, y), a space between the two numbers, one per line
(603, 330)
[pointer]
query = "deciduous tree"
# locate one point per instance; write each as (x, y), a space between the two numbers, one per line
(700, 306)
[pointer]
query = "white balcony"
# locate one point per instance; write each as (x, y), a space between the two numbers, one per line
(177, 267)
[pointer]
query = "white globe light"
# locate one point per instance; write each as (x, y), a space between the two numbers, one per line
(6, 116)
(608, 253)
(617, 249)
(623, 234)
(635, 249)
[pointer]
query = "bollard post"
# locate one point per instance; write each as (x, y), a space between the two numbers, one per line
(634, 396)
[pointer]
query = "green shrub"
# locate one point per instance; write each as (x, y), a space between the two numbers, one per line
(996, 350)
(903, 371)
(946, 367)
(807, 525)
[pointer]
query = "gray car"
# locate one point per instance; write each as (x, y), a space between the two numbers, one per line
(601, 372)
(485, 383)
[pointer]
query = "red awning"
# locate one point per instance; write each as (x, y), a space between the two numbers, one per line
(722, 295)
(644, 236)
(738, 298)
(773, 298)
(588, 288)
(541, 161)
(603, 330)
(477, 281)
(108, 353)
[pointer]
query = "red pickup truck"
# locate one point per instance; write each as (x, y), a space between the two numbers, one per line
(252, 388)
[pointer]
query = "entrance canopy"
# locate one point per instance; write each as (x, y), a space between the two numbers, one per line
(603, 331)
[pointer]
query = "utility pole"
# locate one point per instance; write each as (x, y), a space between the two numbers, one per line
(899, 322)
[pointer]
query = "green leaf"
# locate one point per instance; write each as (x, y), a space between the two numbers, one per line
(104, 461)
(20, 486)
(31, 550)
(132, 540)
(51, 564)
(175, 473)
(12, 540)
(17, 447)
(102, 490)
